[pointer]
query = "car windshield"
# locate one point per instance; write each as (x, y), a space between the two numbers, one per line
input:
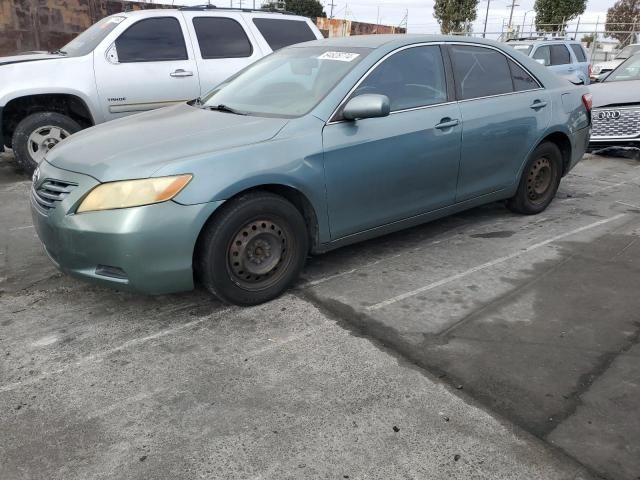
(628, 70)
(522, 47)
(288, 83)
(84, 43)
(627, 51)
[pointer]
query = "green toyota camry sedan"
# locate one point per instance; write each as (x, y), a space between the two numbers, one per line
(316, 146)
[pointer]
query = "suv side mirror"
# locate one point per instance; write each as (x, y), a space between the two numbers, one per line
(368, 105)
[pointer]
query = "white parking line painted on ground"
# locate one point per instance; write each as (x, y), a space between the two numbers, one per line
(491, 263)
(20, 228)
(628, 204)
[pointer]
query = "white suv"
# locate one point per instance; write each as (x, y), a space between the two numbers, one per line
(132, 62)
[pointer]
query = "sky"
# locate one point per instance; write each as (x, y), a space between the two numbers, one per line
(420, 12)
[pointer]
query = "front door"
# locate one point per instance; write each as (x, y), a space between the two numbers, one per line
(150, 65)
(382, 170)
(504, 110)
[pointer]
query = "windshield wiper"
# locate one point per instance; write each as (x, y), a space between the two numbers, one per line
(58, 52)
(224, 108)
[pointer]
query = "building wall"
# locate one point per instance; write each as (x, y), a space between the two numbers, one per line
(49, 24)
(335, 27)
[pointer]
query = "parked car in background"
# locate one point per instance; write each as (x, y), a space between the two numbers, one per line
(616, 112)
(602, 68)
(566, 58)
(314, 147)
(129, 63)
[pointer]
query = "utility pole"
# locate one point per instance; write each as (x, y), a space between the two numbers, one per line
(513, 4)
(331, 11)
(486, 17)
(595, 38)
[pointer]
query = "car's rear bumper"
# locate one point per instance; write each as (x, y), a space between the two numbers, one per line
(146, 249)
(579, 145)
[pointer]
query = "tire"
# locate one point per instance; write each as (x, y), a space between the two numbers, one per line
(539, 182)
(253, 249)
(37, 133)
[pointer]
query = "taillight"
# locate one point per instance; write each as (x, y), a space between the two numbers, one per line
(587, 101)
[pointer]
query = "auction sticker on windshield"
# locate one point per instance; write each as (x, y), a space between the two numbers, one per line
(340, 56)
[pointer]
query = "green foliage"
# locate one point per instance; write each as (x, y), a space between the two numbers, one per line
(624, 12)
(306, 8)
(588, 39)
(455, 15)
(555, 12)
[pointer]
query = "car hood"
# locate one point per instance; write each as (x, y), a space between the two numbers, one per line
(28, 57)
(139, 145)
(610, 65)
(615, 93)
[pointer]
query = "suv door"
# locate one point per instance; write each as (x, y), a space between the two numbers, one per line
(504, 111)
(223, 46)
(149, 65)
(581, 62)
(556, 57)
(382, 170)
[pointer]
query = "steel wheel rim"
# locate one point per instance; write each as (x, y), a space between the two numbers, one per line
(43, 139)
(539, 179)
(259, 253)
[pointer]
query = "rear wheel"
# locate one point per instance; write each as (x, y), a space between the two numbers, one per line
(37, 134)
(539, 182)
(253, 249)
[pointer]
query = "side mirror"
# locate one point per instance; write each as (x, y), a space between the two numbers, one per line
(367, 105)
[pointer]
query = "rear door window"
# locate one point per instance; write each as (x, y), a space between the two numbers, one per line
(521, 79)
(411, 78)
(282, 33)
(543, 53)
(480, 72)
(220, 37)
(577, 49)
(560, 55)
(152, 40)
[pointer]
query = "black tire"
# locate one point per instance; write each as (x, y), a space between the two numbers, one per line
(539, 182)
(32, 123)
(253, 249)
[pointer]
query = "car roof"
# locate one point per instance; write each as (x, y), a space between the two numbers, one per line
(395, 40)
(542, 41)
(205, 11)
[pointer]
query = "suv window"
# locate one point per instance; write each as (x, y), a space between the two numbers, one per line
(521, 79)
(282, 33)
(480, 72)
(553, 55)
(411, 78)
(577, 49)
(220, 37)
(152, 40)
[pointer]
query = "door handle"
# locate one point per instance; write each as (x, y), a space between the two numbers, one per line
(181, 73)
(538, 105)
(447, 123)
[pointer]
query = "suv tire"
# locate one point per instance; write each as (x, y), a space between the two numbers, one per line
(253, 249)
(38, 133)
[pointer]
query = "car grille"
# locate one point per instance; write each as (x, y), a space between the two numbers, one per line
(50, 193)
(626, 125)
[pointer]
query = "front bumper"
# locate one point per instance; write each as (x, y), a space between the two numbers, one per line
(145, 249)
(615, 126)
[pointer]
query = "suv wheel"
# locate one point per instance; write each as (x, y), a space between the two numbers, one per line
(253, 249)
(37, 134)
(540, 180)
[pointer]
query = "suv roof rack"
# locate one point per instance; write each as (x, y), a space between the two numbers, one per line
(227, 9)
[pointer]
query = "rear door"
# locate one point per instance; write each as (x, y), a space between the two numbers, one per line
(223, 45)
(149, 65)
(504, 110)
(277, 31)
(557, 58)
(582, 62)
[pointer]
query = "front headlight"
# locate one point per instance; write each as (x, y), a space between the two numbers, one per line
(133, 193)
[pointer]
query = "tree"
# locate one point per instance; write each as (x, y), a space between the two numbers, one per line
(455, 15)
(305, 8)
(551, 14)
(624, 17)
(588, 39)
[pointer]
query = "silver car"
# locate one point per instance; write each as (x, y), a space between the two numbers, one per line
(616, 107)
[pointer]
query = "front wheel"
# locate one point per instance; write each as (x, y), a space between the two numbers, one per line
(539, 182)
(253, 249)
(37, 134)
